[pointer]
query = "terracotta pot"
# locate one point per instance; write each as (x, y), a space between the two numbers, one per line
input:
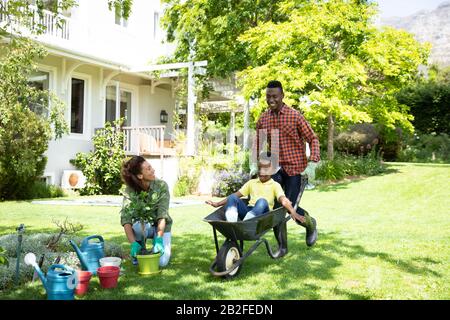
(108, 276)
(83, 282)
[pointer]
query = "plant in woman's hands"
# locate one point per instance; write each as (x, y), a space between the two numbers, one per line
(139, 209)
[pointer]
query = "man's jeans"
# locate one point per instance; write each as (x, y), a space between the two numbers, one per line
(150, 234)
(291, 187)
(236, 207)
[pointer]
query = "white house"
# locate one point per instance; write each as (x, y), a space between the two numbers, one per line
(98, 64)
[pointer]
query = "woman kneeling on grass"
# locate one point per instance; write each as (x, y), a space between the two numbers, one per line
(263, 192)
(139, 177)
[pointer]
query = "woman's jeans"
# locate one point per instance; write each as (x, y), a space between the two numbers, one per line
(150, 234)
(236, 207)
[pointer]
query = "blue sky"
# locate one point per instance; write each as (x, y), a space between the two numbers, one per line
(401, 8)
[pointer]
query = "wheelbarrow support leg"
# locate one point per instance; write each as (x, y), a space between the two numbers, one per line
(280, 232)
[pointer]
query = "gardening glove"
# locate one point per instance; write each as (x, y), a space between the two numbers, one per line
(310, 170)
(158, 245)
(135, 249)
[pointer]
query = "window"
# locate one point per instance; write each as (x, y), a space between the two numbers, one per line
(77, 106)
(115, 109)
(125, 107)
(40, 80)
(111, 99)
(120, 20)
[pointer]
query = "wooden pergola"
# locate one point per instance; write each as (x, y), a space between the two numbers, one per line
(232, 107)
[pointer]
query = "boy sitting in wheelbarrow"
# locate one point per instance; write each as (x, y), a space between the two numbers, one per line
(263, 192)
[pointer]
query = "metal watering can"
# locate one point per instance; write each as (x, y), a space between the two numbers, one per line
(90, 253)
(60, 282)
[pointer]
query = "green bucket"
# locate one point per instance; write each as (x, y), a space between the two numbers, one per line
(148, 264)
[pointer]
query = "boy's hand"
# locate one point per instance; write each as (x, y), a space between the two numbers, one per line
(212, 203)
(298, 217)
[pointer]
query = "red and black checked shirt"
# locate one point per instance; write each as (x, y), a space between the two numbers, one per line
(293, 131)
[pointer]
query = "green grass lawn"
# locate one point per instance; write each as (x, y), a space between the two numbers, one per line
(383, 237)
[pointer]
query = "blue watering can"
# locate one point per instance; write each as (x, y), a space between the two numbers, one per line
(90, 253)
(60, 282)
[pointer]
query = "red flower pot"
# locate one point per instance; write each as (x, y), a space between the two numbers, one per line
(83, 282)
(108, 276)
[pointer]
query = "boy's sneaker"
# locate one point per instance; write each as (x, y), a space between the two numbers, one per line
(231, 214)
(134, 260)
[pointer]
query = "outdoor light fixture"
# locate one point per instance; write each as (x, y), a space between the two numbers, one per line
(163, 116)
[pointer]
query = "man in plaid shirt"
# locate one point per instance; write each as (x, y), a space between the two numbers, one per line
(287, 131)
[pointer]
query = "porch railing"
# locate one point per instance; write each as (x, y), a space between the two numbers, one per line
(147, 140)
(52, 24)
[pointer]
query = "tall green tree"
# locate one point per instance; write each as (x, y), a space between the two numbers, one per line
(209, 30)
(331, 52)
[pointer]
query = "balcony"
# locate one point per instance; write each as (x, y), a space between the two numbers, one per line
(53, 25)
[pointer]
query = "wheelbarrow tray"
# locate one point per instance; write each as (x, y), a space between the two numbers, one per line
(251, 229)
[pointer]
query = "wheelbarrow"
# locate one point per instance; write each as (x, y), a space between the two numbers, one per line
(230, 256)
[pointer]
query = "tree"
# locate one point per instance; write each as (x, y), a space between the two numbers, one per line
(330, 52)
(209, 29)
(29, 118)
(429, 102)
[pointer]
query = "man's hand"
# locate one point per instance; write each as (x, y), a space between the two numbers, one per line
(310, 170)
(212, 203)
(135, 249)
(158, 245)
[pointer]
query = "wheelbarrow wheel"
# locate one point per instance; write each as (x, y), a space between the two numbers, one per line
(228, 254)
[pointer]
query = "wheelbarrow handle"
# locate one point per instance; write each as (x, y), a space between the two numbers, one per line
(303, 183)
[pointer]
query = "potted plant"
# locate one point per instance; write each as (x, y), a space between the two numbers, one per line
(139, 208)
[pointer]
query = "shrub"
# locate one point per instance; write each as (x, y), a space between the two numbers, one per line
(182, 187)
(43, 190)
(347, 165)
(227, 182)
(426, 148)
(3, 258)
(359, 139)
(102, 166)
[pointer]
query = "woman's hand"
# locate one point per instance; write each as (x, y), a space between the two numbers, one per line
(212, 203)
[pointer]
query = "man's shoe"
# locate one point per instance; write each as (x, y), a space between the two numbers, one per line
(134, 260)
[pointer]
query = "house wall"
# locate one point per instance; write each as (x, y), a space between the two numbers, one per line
(151, 106)
(97, 47)
(93, 31)
(146, 107)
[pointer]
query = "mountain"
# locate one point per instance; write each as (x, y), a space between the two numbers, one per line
(431, 26)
